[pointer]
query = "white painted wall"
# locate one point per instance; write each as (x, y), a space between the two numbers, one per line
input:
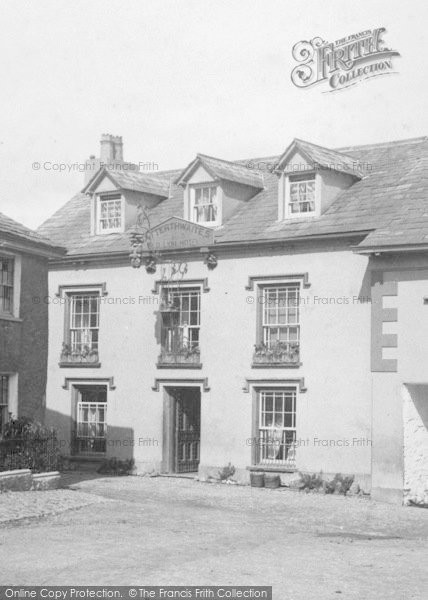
(335, 350)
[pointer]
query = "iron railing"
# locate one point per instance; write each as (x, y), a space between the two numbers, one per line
(40, 454)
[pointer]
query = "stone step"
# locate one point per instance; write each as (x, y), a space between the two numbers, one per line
(83, 463)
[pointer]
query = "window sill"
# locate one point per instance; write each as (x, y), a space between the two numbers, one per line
(161, 365)
(79, 365)
(268, 469)
(86, 457)
(276, 365)
(6, 317)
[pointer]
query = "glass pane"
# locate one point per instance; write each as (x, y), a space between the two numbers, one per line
(268, 403)
(278, 420)
(288, 403)
(268, 419)
(288, 420)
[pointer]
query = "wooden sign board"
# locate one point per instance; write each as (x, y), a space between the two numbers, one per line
(176, 233)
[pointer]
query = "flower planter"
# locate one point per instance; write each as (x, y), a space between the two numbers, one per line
(171, 358)
(84, 356)
(272, 481)
(257, 479)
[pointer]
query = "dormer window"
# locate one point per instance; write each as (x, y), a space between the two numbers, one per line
(109, 214)
(204, 204)
(301, 194)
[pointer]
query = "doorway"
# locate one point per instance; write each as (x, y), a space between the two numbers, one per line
(182, 440)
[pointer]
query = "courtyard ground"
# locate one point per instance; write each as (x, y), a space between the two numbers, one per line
(169, 531)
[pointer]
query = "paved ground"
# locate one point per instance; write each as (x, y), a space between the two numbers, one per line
(180, 532)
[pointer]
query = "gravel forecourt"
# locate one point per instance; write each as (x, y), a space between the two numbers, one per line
(171, 531)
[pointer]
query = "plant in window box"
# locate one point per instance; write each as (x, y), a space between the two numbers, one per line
(75, 355)
(192, 353)
(93, 355)
(181, 354)
(65, 353)
(89, 354)
(278, 352)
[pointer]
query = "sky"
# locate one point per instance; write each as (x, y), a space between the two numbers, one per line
(177, 77)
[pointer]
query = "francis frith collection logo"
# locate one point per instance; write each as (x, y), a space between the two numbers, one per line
(344, 62)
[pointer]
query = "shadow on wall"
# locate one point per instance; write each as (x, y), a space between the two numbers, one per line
(88, 452)
(415, 413)
(366, 285)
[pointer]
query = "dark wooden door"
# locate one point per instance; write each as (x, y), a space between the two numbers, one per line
(187, 430)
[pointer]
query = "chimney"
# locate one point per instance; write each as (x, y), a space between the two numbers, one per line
(118, 147)
(111, 148)
(111, 153)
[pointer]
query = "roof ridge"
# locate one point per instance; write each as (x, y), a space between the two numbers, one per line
(401, 142)
(165, 173)
(318, 146)
(230, 162)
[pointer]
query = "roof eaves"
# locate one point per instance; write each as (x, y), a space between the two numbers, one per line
(389, 248)
(102, 171)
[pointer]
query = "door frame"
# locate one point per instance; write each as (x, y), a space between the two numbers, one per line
(169, 432)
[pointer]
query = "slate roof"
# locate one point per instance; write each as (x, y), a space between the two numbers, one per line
(12, 230)
(135, 181)
(408, 226)
(225, 169)
(393, 188)
(324, 157)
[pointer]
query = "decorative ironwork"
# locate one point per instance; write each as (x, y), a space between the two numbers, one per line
(278, 353)
(211, 261)
(187, 432)
(40, 453)
(144, 251)
(140, 236)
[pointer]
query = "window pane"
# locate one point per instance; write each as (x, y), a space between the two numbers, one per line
(277, 431)
(6, 285)
(84, 322)
(302, 196)
(110, 213)
(205, 204)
